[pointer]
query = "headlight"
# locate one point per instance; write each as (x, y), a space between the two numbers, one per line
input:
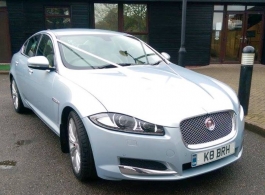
(125, 123)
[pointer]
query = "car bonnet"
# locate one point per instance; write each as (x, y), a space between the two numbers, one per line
(153, 94)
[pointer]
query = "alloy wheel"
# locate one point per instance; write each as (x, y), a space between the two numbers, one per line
(14, 94)
(74, 146)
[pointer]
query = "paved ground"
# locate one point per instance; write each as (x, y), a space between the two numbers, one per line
(37, 165)
(229, 74)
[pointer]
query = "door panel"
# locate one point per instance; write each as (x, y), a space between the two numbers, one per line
(5, 47)
(29, 50)
(234, 37)
(241, 26)
(41, 86)
(254, 33)
(217, 37)
(243, 30)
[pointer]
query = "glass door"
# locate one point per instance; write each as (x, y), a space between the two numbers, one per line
(234, 37)
(234, 27)
(217, 37)
(254, 33)
(242, 29)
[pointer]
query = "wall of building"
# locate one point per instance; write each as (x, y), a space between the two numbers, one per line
(164, 25)
(28, 17)
(263, 49)
(165, 30)
(5, 48)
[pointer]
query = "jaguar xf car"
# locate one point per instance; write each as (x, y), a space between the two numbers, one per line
(122, 110)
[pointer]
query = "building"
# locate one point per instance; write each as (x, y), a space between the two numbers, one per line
(5, 47)
(216, 30)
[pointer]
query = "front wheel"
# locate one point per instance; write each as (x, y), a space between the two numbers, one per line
(17, 102)
(80, 149)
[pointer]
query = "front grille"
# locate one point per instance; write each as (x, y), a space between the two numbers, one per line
(146, 164)
(194, 130)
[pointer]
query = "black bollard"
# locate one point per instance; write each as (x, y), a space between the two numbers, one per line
(182, 50)
(247, 63)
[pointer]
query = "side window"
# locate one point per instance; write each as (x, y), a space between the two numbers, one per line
(32, 46)
(46, 49)
(24, 47)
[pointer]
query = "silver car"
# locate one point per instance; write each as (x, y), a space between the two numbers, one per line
(124, 111)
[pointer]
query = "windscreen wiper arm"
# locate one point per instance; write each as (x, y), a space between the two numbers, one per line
(158, 62)
(112, 66)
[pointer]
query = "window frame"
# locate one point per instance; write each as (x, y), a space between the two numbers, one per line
(136, 33)
(26, 44)
(121, 18)
(58, 16)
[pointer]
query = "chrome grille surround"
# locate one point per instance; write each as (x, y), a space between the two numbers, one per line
(195, 135)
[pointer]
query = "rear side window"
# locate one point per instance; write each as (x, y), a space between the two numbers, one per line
(32, 46)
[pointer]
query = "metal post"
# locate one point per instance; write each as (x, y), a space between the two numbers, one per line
(182, 50)
(247, 62)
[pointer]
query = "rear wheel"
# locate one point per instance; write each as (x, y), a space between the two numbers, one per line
(17, 102)
(80, 149)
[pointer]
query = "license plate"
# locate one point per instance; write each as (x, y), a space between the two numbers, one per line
(212, 155)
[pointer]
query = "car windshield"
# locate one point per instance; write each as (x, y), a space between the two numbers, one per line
(118, 49)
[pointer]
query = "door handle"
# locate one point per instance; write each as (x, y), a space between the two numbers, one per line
(245, 40)
(30, 71)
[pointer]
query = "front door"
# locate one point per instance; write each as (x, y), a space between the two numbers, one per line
(254, 33)
(242, 29)
(234, 37)
(5, 47)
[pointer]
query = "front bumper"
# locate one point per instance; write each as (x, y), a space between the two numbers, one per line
(110, 146)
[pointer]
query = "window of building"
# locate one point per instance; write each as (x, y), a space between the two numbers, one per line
(57, 17)
(135, 20)
(216, 36)
(2, 3)
(235, 8)
(106, 16)
(129, 18)
(218, 8)
(256, 8)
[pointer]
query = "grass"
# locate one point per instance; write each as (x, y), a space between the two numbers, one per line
(4, 67)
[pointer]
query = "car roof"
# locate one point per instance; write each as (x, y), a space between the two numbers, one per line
(76, 31)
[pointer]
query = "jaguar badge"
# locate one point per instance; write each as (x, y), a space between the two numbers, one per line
(209, 123)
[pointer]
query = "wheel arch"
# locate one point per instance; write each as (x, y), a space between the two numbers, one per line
(10, 77)
(63, 129)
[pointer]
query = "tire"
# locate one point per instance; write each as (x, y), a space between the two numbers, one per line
(16, 98)
(81, 154)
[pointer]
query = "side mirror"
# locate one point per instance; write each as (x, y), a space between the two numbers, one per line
(38, 62)
(165, 55)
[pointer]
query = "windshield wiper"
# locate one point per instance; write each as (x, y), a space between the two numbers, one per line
(158, 62)
(107, 66)
(112, 66)
(125, 64)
